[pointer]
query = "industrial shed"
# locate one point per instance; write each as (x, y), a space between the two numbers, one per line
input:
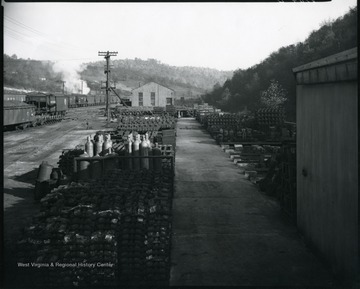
(152, 94)
(327, 159)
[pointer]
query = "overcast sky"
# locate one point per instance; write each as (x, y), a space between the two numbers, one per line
(225, 36)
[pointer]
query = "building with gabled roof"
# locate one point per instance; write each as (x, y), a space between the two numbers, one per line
(152, 94)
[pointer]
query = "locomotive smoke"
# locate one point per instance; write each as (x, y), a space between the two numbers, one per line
(70, 72)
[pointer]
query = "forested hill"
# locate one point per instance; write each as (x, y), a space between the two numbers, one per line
(274, 75)
(127, 74)
(152, 69)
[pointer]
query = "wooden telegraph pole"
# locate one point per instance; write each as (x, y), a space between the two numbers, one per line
(107, 72)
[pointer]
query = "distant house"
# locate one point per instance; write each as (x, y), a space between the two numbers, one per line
(152, 94)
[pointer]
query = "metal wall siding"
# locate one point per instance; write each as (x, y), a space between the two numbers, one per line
(327, 150)
(352, 70)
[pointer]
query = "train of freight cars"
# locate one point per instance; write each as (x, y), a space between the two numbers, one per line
(36, 108)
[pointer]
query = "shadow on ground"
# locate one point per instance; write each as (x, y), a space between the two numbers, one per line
(19, 200)
(28, 177)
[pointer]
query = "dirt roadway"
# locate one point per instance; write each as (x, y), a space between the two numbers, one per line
(23, 153)
(225, 231)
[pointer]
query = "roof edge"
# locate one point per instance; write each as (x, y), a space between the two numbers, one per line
(153, 82)
(332, 59)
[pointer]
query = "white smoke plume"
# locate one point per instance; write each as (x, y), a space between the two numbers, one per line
(70, 74)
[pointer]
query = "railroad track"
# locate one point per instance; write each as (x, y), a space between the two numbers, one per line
(33, 149)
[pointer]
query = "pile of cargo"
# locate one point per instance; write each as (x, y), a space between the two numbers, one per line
(270, 117)
(105, 218)
(203, 110)
(280, 180)
(272, 167)
(66, 160)
(146, 123)
(227, 127)
(229, 120)
(109, 232)
(169, 110)
(99, 153)
(132, 111)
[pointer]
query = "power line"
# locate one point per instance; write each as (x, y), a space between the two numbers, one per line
(52, 60)
(23, 25)
(41, 34)
(16, 37)
(15, 31)
(45, 42)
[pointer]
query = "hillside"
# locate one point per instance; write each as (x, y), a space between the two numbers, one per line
(188, 82)
(130, 73)
(245, 88)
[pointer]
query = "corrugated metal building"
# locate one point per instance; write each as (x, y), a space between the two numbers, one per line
(327, 159)
(152, 94)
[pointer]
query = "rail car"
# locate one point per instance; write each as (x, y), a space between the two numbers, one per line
(49, 104)
(81, 100)
(37, 108)
(14, 97)
(18, 114)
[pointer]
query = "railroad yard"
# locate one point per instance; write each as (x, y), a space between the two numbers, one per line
(106, 195)
(178, 145)
(219, 218)
(23, 152)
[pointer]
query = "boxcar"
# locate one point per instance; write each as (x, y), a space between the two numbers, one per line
(80, 100)
(18, 113)
(62, 103)
(97, 99)
(71, 100)
(90, 99)
(48, 103)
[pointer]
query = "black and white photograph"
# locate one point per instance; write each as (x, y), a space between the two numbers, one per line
(180, 144)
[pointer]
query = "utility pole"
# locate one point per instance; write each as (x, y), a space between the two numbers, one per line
(107, 72)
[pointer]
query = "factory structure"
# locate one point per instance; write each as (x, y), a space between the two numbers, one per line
(152, 94)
